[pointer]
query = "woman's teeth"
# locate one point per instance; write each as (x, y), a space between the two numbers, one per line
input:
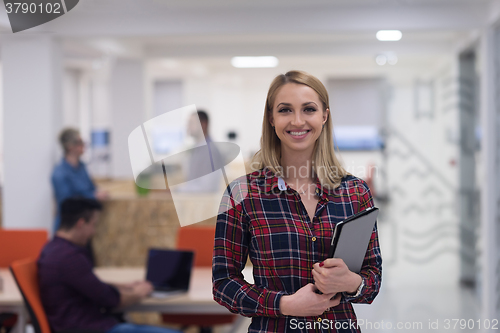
(298, 133)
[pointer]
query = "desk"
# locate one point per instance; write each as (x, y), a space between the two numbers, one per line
(11, 299)
(198, 299)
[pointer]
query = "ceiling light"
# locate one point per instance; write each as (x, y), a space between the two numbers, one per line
(392, 58)
(385, 58)
(389, 35)
(381, 60)
(254, 62)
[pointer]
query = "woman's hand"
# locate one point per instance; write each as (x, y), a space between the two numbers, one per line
(101, 195)
(306, 302)
(333, 276)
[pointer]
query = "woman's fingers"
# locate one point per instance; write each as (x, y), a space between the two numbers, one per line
(328, 263)
(319, 282)
(335, 300)
(306, 302)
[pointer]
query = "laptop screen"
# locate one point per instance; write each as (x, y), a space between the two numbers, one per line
(169, 269)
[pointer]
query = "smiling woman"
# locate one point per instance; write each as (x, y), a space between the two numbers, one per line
(300, 102)
(298, 125)
(283, 215)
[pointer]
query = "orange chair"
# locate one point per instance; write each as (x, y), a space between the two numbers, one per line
(25, 273)
(15, 245)
(201, 241)
(20, 244)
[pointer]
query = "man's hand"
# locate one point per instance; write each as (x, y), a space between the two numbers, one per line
(134, 292)
(142, 288)
(333, 276)
(306, 302)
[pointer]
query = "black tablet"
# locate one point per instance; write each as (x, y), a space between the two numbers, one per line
(351, 238)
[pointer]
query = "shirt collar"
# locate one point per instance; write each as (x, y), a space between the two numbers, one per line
(269, 179)
(276, 184)
(67, 165)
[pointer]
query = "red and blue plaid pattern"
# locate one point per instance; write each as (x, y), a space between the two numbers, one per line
(272, 227)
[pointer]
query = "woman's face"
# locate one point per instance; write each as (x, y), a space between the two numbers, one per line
(298, 117)
(77, 147)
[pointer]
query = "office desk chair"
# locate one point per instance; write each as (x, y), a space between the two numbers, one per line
(25, 273)
(201, 241)
(20, 244)
(15, 245)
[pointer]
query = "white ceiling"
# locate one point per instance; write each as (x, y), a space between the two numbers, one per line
(202, 28)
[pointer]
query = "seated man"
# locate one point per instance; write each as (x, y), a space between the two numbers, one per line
(73, 297)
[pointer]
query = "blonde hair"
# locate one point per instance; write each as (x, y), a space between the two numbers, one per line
(326, 165)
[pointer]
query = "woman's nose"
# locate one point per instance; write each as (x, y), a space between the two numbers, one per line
(298, 119)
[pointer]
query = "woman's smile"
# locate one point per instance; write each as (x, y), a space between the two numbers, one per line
(298, 134)
(298, 117)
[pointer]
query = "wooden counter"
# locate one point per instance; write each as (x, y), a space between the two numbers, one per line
(130, 224)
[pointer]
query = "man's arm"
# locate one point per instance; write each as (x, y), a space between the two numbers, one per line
(123, 286)
(133, 292)
(82, 278)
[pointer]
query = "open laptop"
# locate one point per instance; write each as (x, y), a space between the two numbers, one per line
(169, 271)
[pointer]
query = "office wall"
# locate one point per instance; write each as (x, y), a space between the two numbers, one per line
(32, 67)
(423, 229)
(356, 102)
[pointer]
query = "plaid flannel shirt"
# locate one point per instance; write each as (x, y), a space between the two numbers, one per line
(271, 225)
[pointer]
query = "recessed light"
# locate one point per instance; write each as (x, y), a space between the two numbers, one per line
(255, 62)
(381, 60)
(389, 35)
(392, 58)
(386, 58)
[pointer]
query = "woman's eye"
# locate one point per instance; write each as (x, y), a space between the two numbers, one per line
(284, 110)
(310, 109)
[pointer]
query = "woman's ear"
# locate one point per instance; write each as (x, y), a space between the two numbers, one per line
(271, 120)
(325, 115)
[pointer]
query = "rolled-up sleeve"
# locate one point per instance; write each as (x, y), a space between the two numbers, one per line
(232, 238)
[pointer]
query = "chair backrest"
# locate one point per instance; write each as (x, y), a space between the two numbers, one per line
(25, 273)
(200, 240)
(20, 244)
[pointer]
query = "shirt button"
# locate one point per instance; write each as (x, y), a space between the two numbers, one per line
(314, 239)
(319, 319)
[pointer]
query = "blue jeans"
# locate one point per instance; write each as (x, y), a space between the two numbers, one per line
(132, 328)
